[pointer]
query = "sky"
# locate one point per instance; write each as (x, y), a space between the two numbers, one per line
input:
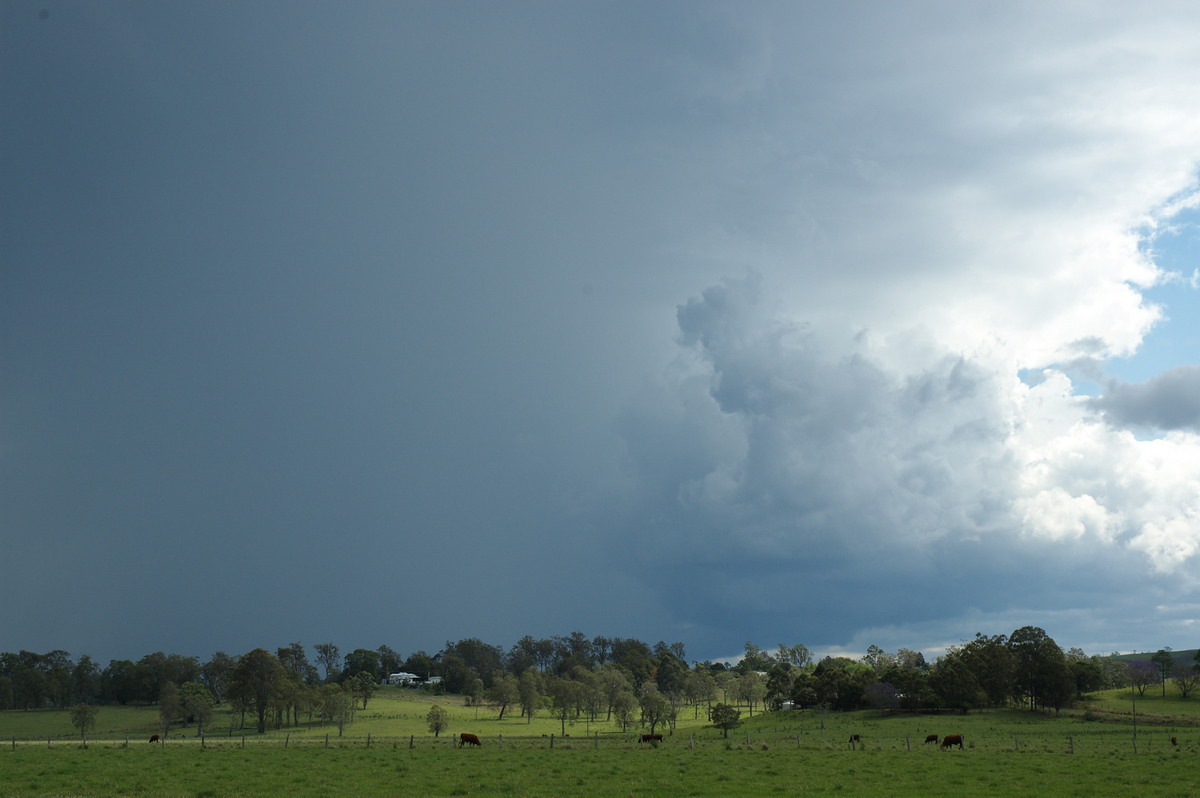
(841, 324)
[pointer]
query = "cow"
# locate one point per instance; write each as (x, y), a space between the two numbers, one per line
(650, 738)
(467, 738)
(951, 740)
(855, 738)
(153, 738)
(932, 738)
(1174, 742)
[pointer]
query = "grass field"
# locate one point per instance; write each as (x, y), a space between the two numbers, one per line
(1088, 752)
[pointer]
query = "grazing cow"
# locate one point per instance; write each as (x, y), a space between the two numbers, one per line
(1174, 741)
(467, 738)
(951, 740)
(931, 738)
(650, 738)
(153, 738)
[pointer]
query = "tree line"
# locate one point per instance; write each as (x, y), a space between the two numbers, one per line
(615, 680)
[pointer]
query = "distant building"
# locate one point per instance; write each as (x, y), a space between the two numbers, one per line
(403, 679)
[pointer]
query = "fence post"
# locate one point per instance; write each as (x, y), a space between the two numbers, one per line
(501, 740)
(243, 742)
(907, 743)
(411, 744)
(326, 739)
(1071, 739)
(551, 740)
(691, 741)
(287, 740)
(368, 739)
(747, 740)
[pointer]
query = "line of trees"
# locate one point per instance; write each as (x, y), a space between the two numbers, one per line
(614, 680)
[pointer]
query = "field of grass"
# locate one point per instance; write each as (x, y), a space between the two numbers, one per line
(1086, 752)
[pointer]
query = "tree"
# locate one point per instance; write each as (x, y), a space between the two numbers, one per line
(86, 678)
(725, 717)
(798, 656)
(1186, 678)
(337, 704)
(1142, 674)
(505, 690)
(419, 663)
(779, 686)
(954, 683)
(363, 686)
(754, 659)
(564, 694)
(329, 657)
(197, 703)
(624, 705)
(438, 719)
(882, 696)
(258, 678)
(1166, 663)
(878, 660)
(361, 660)
(656, 707)
(168, 707)
(1040, 667)
(215, 674)
(389, 661)
(83, 717)
(751, 688)
(699, 686)
(991, 664)
(529, 688)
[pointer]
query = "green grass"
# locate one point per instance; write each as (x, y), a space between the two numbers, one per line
(1009, 752)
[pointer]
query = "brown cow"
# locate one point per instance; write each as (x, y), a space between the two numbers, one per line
(153, 738)
(931, 738)
(467, 738)
(650, 738)
(1174, 741)
(951, 740)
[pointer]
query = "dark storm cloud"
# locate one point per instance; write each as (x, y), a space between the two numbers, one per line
(429, 321)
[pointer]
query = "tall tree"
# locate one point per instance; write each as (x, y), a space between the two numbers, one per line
(361, 660)
(1040, 667)
(330, 658)
(504, 692)
(257, 678)
(363, 686)
(798, 656)
(530, 688)
(86, 678)
(656, 707)
(215, 674)
(169, 707)
(700, 686)
(197, 703)
(1166, 663)
(337, 704)
(389, 661)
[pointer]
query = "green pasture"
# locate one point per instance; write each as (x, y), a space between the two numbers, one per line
(1089, 751)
